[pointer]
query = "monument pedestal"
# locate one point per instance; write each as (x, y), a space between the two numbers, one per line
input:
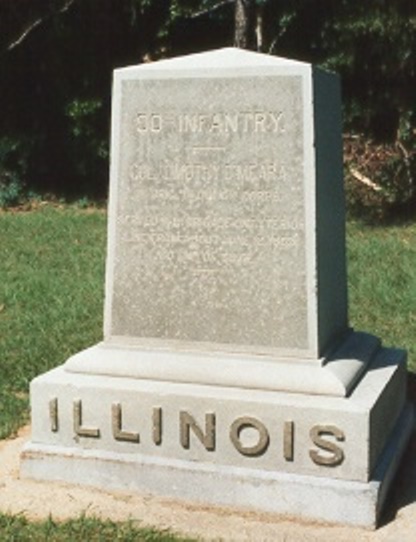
(312, 456)
(335, 374)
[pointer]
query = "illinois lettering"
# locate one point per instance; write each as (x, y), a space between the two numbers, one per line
(248, 435)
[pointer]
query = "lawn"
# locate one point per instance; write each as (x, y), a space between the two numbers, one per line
(51, 295)
(382, 283)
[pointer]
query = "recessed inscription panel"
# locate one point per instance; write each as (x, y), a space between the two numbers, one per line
(210, 223)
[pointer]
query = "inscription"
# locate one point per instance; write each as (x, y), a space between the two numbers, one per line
(157, 426)
(188, 423)
(288, 441)
(329, 454)
(248, 435)
(212, 123)
(54, 415)
(253, 174)
(228, 243)
(116, 424)
(216, 224)
(209, 238)
(79, 429)
(245, 424)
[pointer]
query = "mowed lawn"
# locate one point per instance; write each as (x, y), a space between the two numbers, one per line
(382, 283)
(52, 289)
(51, 296)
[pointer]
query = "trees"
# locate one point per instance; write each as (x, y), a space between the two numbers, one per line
(57, 56)
(55, 79)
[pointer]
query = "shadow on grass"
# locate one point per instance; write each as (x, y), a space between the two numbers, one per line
(399, 214)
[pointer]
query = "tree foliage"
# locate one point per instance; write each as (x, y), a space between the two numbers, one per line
(57, 57)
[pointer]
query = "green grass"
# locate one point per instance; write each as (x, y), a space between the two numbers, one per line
(382, 283)
(51, 295)
(19, 529)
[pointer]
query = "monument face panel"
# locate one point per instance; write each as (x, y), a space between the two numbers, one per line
(209, 241)
(216, 186)
(227, 374)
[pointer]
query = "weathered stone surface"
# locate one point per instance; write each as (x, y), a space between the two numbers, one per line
(338, 376)
(216, 187)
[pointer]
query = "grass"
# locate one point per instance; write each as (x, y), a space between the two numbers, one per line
(51, 305)
(51, 295)
(19, 529)
(382, 283)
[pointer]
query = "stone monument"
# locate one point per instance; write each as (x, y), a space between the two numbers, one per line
(228, 373)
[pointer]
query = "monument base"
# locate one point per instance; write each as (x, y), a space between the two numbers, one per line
(308, 456)
(305, 497)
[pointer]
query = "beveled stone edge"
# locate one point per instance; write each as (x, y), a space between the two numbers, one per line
(222, 58)
(337, 377)
(350, 360)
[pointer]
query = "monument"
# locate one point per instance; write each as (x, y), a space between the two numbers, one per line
(228, 373)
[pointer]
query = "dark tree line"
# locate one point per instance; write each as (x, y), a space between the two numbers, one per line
(57, 56)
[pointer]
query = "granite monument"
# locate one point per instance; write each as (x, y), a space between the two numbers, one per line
(228, 373)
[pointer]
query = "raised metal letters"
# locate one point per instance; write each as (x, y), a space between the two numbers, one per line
(249, 436)
(53, 414)
(329, 454)
(336, 454)
(79, 430)
(254, 443)
(116, 424)
(157, 426)
(247, 422)
(188, 422)
(288, 441)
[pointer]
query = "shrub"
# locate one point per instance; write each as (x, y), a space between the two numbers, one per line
(381, 177)
(13, 166)
(87, 144)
